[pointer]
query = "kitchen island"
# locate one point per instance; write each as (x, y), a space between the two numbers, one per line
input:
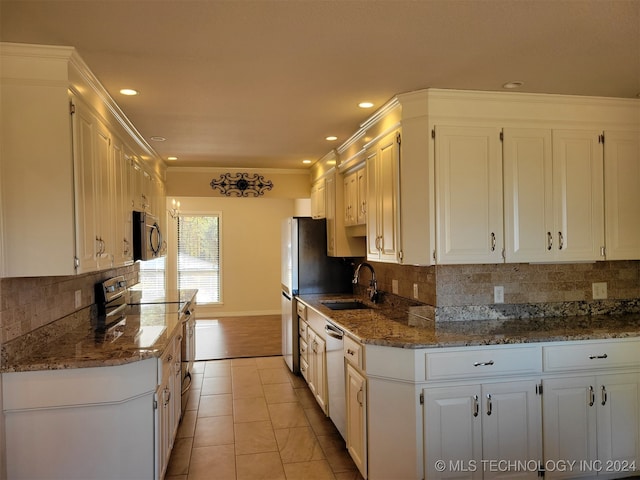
(558, 395)
(89, 400)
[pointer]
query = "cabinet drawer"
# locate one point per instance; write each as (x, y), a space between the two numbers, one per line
(353, 352)
(302, 330)
(301, 308)
(304, 349)
(589, 356)
(304, 368)
(485, 362)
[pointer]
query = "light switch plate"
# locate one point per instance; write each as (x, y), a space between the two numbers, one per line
(394, 286)
(415, 290)
(78, 299)
(599, 290)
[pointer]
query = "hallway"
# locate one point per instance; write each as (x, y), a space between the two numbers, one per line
(250, 418)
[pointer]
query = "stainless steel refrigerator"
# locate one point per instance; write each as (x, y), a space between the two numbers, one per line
(307, 269)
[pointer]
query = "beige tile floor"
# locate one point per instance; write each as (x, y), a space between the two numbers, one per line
(250, 419)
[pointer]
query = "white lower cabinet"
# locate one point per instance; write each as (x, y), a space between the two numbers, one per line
(568, 409)
(316, 375)
(168, 403)
(592, 424)
(356, 394)
(89, 423)
(482, 431)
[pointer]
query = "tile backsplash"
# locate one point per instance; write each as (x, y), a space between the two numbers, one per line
(29, 303)
(457, 287)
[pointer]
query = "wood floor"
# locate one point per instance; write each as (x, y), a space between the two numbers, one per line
(238, 337)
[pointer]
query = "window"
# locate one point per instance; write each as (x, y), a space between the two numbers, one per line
(199, 256)
(151, 277)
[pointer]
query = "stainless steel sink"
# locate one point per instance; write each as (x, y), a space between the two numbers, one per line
(345, 305)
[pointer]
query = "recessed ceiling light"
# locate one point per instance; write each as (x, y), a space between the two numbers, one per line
(172, 158)
(128, 91)
(365, 104)
(512, 85)
(157, 138)
(306, 161)
(331, 138)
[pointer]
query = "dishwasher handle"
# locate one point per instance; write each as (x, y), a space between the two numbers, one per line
(333, 331)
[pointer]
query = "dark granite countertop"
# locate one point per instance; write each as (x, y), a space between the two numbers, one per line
(77, 341)
(411, 326)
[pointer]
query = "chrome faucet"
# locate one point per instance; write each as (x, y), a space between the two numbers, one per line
(373, 284)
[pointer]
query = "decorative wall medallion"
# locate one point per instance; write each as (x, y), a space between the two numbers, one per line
(241, 184)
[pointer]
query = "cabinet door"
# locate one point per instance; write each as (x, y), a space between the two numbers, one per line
(452, 432)
(357, 418)
(123, 229)
(372, 215)
(318, 199)
(468, 195)
(511, 427)
(388, 195)
(569, 422)
(383, 170)
(618, 420)
(329, 212)
(578, 195)
(105, 205)
(86, 197)
(320, 374)
(350, 199)
(528, 194)
(361, 187)
(622, 195)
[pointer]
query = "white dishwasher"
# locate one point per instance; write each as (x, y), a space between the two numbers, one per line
(335, 377)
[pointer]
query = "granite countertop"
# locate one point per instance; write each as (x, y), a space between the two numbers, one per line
(77, 341)
(410, 327)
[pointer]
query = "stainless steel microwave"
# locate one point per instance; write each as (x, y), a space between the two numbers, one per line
(147, 237)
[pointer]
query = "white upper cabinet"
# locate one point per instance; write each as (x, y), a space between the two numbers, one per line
(318, 199)
(622, 194)
(469, 195)
(528, 194)
(355, 198)
(578, 197)
(553, 195)
(383, 169)
(64, 209)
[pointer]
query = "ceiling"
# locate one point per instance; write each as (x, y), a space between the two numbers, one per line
(249, 84)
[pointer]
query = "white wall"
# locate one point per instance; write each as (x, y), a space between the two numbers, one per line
(251, 231)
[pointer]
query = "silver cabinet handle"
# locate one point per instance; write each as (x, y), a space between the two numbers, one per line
(476, 406)
(493, 242)
(598, 357)
(560, 240)
(363, 207)
(483, 364)
(549, 241)
(592, 396)
(489, 404)
(350, 352)
(603, 395)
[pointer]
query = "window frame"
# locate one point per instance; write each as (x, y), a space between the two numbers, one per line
(219, 215)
